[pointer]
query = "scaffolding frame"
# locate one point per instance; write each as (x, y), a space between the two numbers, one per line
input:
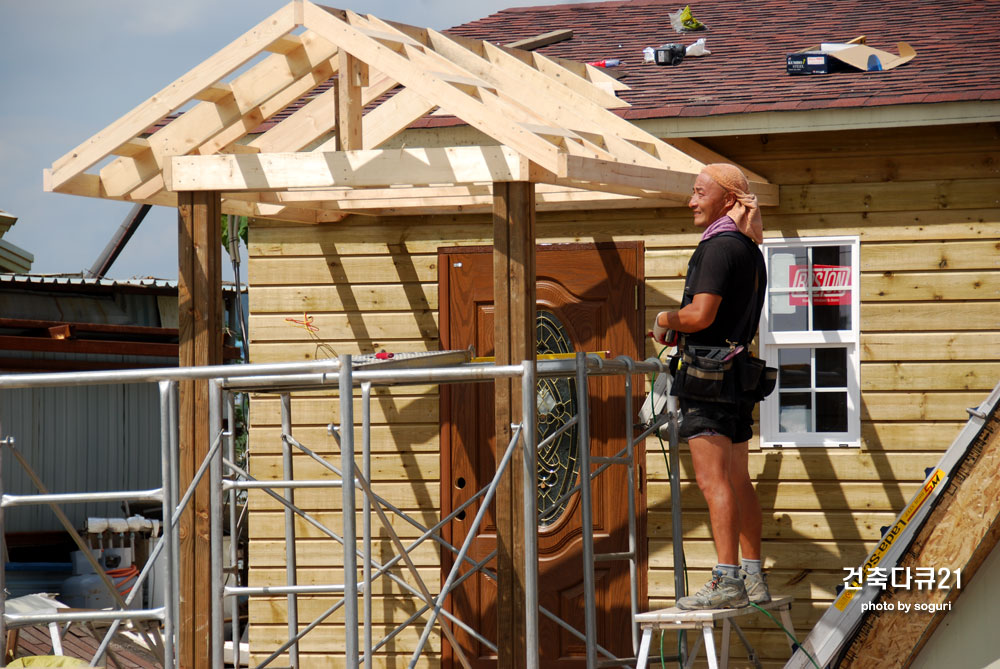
(227, 478)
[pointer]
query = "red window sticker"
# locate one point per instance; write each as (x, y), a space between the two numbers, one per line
(833, 280)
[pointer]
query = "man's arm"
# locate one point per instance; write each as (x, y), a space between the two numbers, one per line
(695, 317)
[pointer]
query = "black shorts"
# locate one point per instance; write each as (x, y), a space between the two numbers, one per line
(730, 420)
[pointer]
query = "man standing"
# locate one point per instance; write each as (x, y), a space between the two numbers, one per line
(723, 296)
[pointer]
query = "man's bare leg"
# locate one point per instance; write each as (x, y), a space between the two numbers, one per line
(748, 506)
(747, 503)
(712, 459)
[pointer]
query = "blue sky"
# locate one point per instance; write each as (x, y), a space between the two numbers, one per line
(69, 68)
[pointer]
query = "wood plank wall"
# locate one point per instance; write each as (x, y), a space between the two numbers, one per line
(925, 203)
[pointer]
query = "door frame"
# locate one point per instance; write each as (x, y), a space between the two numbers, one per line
(444, 400)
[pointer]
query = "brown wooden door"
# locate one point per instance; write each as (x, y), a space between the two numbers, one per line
(588, 300)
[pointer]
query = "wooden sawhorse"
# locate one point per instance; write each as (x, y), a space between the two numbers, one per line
(704, 620)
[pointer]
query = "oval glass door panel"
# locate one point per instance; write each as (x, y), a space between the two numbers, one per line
(557, 462)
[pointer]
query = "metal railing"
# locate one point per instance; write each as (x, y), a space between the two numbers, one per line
(226, 477)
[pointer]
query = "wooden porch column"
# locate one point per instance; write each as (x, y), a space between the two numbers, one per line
(514, 341)
(200, 325)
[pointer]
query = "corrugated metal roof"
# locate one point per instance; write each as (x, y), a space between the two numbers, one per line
(73, 280)
(63, 280)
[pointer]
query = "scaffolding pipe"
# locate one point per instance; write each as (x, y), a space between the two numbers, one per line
(3, 561)
(234, 533)
(267, 590)
(151, 495)
(680, 589)
(166, 538)
(223, 373)
(288, 484)
(586, 513)
(215, 522)
(175, 492)
(633, 548)
(22, 620)
(348, 510)
(530, 508)
(366, 517)
(243, 376)
(291, 565)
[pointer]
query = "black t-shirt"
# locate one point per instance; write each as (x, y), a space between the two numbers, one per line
(732, 266)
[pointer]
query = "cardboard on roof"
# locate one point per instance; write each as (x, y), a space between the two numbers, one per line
(859, 55)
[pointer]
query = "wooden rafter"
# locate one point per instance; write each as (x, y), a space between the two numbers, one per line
(172, 97)
(550, 118)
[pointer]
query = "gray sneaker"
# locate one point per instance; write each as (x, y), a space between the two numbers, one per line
(756, 585)
(722, 592)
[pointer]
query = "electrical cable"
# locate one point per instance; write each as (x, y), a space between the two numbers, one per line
(790, 635)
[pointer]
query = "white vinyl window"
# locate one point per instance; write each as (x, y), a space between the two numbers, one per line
(809, 331)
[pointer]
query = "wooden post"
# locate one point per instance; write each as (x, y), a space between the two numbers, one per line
(514, 341)
(352, 75)
(200, 326)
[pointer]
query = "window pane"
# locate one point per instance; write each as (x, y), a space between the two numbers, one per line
(832, 255)
(794, 369)
(831, 368)
(787, 306)
(831, 412)
(832, 310)
(785, 315)
(781, 263)
(794, 412)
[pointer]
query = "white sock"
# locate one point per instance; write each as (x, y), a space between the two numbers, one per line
(730, 570)
(750, 566)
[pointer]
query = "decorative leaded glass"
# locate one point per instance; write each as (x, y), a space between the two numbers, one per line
(558, 463)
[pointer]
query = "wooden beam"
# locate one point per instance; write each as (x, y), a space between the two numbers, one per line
(131, 148)
(583, 79)
(538, 41)
(263, 90)
(464, 198)
(394, 115)
(216, 92)
(413, 70)
(201, 328)
(356, 169)
(285, 45)
(653, 180)
(351, 77)
(513, 341)
(173, 96)
(66, 344)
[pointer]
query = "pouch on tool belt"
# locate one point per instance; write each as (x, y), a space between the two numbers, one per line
(756, 379)
(704, 373)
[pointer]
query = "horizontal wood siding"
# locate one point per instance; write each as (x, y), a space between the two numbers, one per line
(925, 203)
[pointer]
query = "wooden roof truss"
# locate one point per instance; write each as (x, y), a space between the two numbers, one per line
(550, 120)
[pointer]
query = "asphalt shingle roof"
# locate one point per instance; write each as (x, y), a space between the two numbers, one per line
(957, 45)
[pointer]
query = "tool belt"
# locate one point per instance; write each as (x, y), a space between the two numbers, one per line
(720, 374)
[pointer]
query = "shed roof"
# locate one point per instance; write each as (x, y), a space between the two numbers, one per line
(550, 119)
(957, 45)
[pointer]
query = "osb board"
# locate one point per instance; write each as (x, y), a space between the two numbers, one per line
(959, 533)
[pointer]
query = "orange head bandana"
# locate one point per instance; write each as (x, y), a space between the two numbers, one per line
(746, 212)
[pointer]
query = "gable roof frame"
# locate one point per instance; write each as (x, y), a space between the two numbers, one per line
(551, 120)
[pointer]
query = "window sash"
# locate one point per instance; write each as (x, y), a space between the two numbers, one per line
(849, 339)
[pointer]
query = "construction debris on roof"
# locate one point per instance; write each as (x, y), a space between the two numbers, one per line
(749, 43)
